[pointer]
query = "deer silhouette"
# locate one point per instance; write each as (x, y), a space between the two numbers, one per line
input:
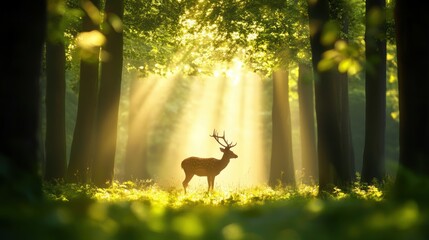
(210, 167)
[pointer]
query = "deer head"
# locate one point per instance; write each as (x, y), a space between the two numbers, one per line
(227, 147)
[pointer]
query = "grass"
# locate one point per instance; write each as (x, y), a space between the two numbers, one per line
(143, 210)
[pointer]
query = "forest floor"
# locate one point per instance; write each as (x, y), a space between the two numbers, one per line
(143, 210)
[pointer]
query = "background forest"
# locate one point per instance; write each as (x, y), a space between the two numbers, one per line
(180, 49)
(325, 100)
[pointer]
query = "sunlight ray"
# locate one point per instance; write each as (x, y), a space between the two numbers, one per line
(229, 101)
(191, 137)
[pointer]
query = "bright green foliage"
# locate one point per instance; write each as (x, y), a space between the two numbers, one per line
(148, 191)
(144, 210)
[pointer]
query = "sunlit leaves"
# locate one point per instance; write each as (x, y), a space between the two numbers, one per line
(344, 56)
(89, 44)
(60, 19)
(150, 33)
(92, 11)
(115, 22)
(330, 33)
(147, 191)
(392, 82)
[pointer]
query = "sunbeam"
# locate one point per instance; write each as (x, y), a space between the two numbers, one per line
(230, 102)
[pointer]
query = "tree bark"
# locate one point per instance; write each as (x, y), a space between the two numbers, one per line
(375, 91)
(307, 124)
(109, 96)
(412, 37)
(333, 142)
(82, 148)
(20, 178)
(55, 143)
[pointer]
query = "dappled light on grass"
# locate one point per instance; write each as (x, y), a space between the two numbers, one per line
(151, 193)
(136, 210)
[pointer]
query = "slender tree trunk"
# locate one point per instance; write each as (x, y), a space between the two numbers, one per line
(55, 143)
(375, 89)
(109, 96)
(282, 167)
(20, 178)
(307, 123)
(412, 37)
(82, 148)
(346, 164)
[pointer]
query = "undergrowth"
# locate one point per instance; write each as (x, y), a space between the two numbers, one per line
(148, 191)
(143, 210)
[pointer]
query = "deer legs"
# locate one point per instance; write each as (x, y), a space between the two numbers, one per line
(210, 181)
(187, 179)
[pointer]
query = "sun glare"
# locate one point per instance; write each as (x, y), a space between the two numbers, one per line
(229, 100)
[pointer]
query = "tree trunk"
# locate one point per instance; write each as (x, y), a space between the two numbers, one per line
(375, 91)
(335, 150)
(55, 148)
(346, 166)
(282, 167)
(82, 148)
(109, 96)
(412, 37)
(307, 123)
(326, 97)
(19, 101)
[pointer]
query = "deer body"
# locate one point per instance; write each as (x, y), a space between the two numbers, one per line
(209, 167)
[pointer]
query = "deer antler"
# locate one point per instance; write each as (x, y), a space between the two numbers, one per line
(216, 137)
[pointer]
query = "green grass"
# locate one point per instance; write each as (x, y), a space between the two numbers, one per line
(143, 210)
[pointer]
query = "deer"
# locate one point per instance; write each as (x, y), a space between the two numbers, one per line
(209, 167)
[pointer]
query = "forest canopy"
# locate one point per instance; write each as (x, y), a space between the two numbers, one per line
(202, 119)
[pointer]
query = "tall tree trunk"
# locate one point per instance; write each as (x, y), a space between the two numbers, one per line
(282, 167)
(307, 124)
(375, 91)
(109, 96)
(326, 99)
(412, 37)
(335, 150)
(82, 148)
(346, 165)
(20, 179)
(55, 148)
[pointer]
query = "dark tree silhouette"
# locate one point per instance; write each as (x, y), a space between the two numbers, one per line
(19, 100)
(55, 143)
(412, 37)
(375, 91)
(108, 98)
(82, 148)
(333, 128)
